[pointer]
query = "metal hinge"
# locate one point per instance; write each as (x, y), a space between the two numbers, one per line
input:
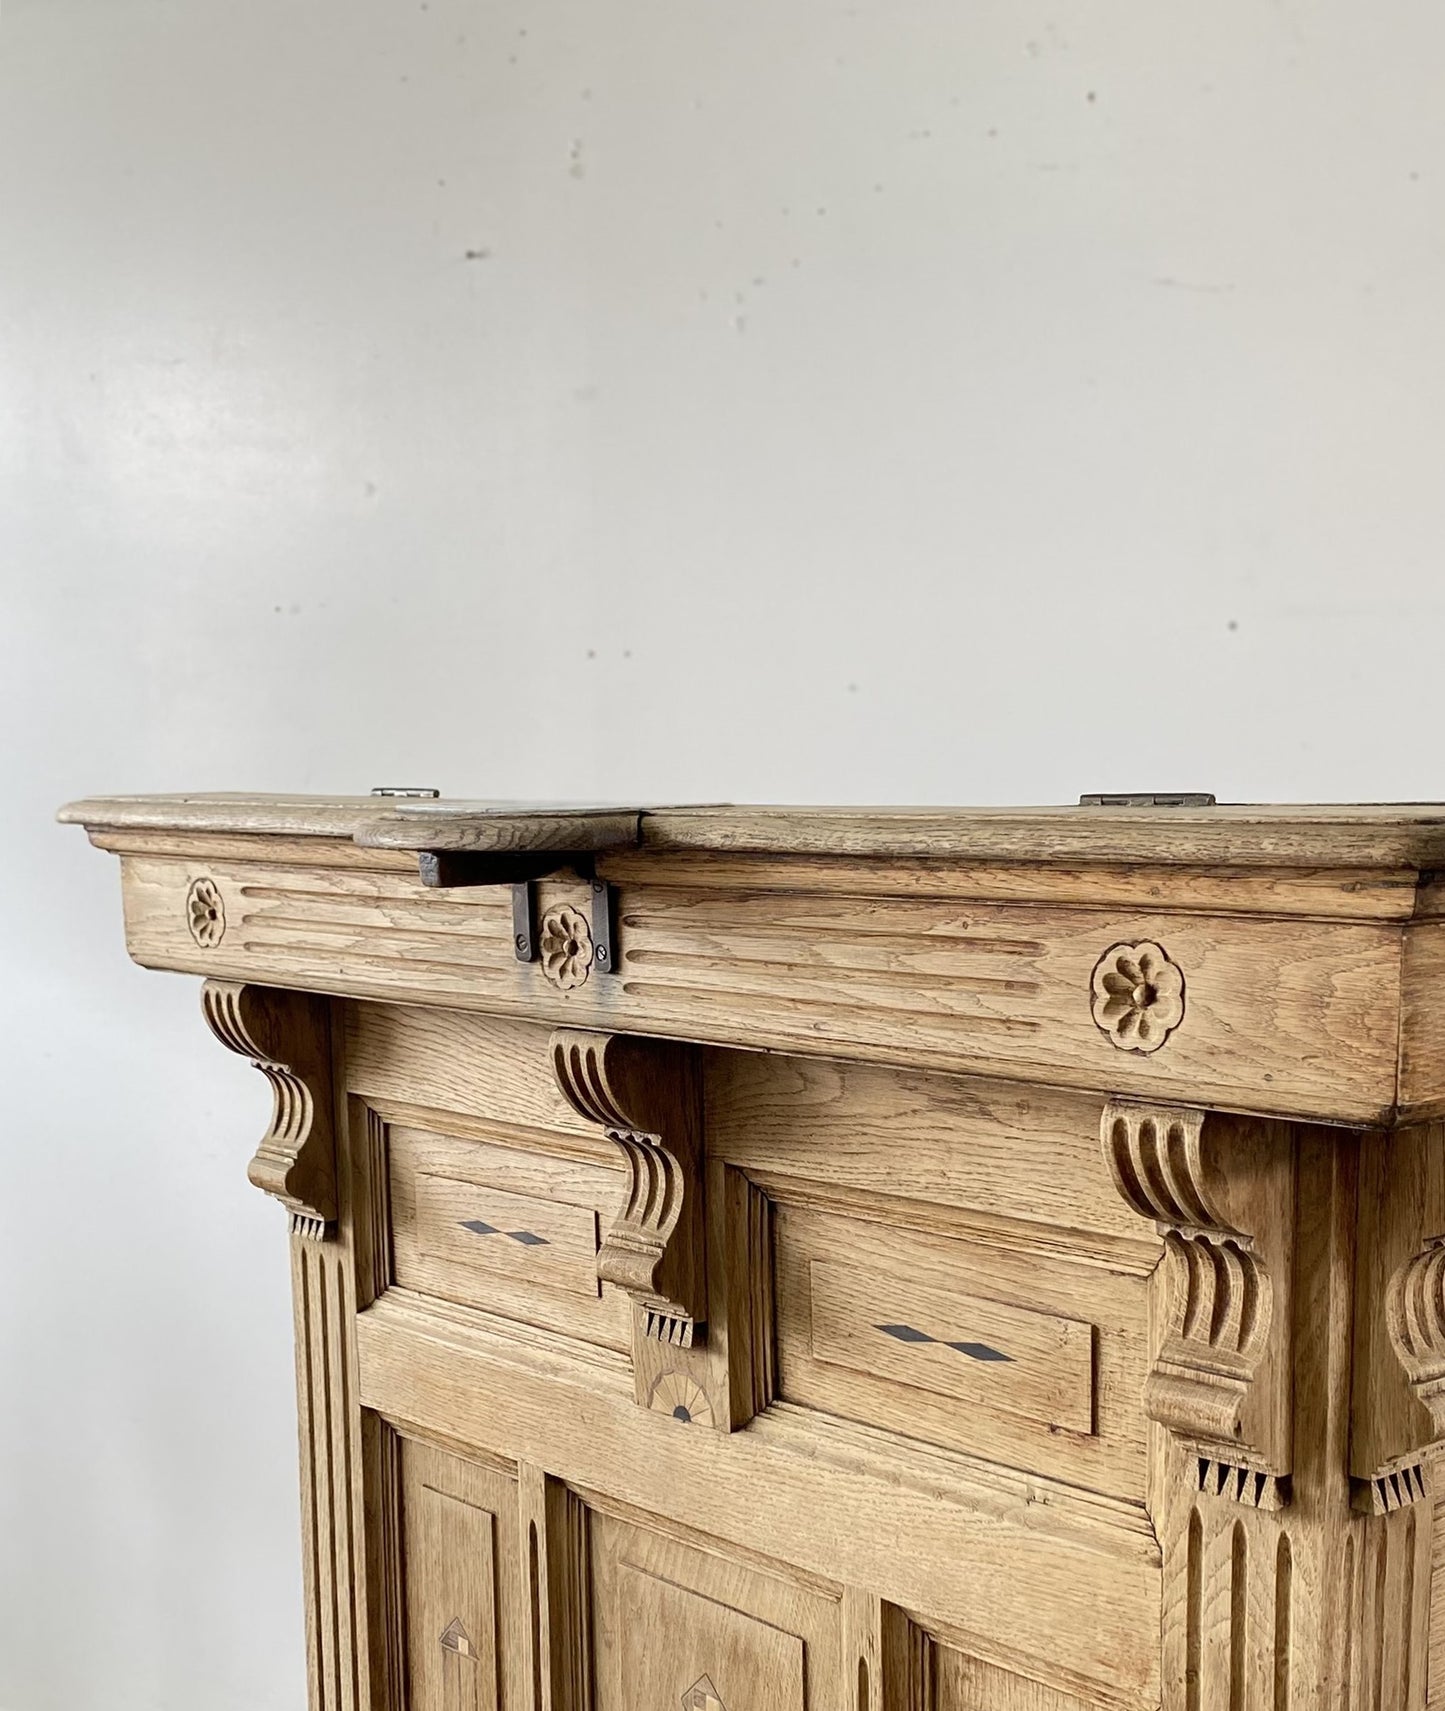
(1155, 799)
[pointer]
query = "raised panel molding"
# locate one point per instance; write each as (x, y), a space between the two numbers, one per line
(287, 1036)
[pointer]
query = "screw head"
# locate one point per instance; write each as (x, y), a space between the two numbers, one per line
(521, 941)
(601, 953)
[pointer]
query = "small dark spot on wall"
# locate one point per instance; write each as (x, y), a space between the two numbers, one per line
(852, 688)
(592, 653)
(993, 133)
(369, 489)
(1233, 624)
(1091, 97)
(627, 653)
(578, 167)
(476, 255)
(441, 184)
(822, 211)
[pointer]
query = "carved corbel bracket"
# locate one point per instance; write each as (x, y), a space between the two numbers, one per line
(286, 1035)
(646, 1095)
(1220, 1192)
(1397, 1414)
(1415, 1317)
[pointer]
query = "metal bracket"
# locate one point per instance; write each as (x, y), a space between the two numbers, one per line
(603, 921)
(446, 870)
(1157, 799)
(524, 921)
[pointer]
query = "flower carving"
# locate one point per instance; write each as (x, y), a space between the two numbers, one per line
(1138, 996)
(205, 913)
(566, 946)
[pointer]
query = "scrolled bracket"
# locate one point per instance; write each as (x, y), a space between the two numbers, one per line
(286, 1035)
(1415, 1319)
(645, 1095)
(1219, 1191)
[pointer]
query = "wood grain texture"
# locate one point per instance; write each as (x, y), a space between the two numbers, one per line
(1245, 835)
(1422, 1022)
(1351, 894)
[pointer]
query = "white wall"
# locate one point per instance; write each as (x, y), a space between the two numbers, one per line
(899, 400)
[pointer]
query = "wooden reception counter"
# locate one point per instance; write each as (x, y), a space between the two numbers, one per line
(844, 1260)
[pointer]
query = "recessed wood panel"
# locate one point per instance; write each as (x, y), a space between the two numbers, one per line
(458, 1520)
(987, 1353)
(964, 1683)
(681, 1649)
(515, 1235)
(867, 1311)
(681, 1628)
(507, 1225)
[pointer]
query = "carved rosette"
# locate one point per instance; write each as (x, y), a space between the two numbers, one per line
(286, 1035)
(1219, 1294)
(566, 949)
(1137, 996)
(205, 913)
(644, 1095)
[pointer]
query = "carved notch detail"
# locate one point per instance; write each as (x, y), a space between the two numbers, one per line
(1207, 1381)
(646, 1095)
(286, 1035)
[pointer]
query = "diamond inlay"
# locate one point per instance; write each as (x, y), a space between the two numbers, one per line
(527, 1238)
(911, 1334)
